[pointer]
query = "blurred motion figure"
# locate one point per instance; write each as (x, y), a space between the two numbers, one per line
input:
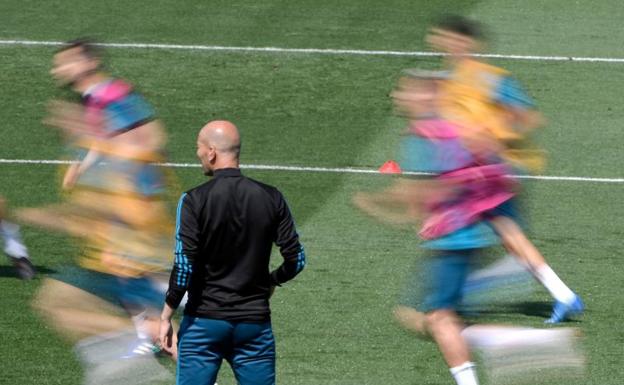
(116, 204)
(495, 114)
(457, 204)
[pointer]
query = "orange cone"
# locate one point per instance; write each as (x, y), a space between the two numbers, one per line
(390, 167)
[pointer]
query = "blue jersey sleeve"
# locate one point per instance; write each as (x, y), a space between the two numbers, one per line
(509, 92)
(127, 113)
(186, 248)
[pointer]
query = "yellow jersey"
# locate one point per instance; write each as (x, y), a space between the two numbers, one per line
(479, 97)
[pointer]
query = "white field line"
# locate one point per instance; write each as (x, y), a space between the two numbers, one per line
(196, 47)
(336, 170)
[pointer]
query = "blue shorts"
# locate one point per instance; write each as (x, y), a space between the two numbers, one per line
(137, 293)
(509, 209)
(203, 343)
(439, 282)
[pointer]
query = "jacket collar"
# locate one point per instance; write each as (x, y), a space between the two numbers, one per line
(225, 172)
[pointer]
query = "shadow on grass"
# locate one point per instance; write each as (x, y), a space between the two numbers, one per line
(541, 309)
(7, 271)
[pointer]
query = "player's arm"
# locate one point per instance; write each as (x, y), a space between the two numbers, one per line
(70, 118)
(523, 114)
(76, 169)
(526, 119)
(291, 249)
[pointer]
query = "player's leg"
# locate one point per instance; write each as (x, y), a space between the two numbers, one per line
(83, 308)
(76, 313)
(141, 297)
(14, 248)
(445, 328)
(411, 319)
(202, 345)
(539, 353)
(502, 272)
(446, 274)
(409, 313)
(13, 245)
(253, 359)
(567, 302)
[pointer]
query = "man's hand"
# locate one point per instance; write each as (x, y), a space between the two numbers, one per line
(165, 337)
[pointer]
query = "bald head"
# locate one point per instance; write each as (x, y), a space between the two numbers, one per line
(218, 145)
(222, 135)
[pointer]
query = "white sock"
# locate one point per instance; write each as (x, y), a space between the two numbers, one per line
(559, 290)
(139, 325)
(13, 245)
(465, 374)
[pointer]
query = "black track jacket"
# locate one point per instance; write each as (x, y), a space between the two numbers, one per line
(225, 230)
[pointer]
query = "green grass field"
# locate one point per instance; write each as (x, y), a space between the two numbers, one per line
(333, 324)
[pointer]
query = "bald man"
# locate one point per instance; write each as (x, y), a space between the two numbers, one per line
(225, 231)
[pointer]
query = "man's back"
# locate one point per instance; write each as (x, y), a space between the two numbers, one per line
(224, 236)
(225, 229)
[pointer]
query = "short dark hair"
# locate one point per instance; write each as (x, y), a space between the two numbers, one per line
(462, 26)
(87, 48)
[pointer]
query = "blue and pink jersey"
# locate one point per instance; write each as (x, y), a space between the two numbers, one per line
(114, 107)
(473, 186)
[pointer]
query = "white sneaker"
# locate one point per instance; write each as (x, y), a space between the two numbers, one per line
(17, 251)
(14, 248)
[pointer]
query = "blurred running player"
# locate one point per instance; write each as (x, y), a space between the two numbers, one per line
(14, 248)
(115, 204)
(496, 114)
(469, 182)
(114, 111)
